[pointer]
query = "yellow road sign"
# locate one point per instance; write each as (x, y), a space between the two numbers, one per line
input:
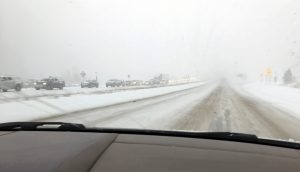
(269, 72)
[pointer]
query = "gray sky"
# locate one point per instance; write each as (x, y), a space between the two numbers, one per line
(146, 37)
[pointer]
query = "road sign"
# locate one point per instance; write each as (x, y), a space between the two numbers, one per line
(269, 72)
(82, 74)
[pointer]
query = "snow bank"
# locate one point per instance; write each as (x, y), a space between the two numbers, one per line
(45, 107)
(32, 93)
(282, 97)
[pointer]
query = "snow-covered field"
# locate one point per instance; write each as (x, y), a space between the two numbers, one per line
(285, 98)
(44, 107)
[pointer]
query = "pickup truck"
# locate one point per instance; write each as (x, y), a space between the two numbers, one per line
(49, 84)
(9, 83)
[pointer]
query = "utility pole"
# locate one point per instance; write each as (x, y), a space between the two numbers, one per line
(83, 74)
(128, 76)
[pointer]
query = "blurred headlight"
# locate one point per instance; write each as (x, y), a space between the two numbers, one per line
(44, 83)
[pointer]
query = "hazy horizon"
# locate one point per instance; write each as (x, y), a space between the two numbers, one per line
(143, 38)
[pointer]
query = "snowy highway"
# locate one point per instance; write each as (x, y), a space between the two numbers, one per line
(208, 107)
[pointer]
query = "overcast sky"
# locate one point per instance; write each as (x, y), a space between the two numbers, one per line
(142, 38)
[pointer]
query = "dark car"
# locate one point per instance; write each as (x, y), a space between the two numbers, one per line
(49, 84)
(90, 84)
(114, 83)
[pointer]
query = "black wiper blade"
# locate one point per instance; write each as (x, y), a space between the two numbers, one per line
(74, 127)
(40, 126)
(227, 136)
(223, 136)
(204, 135)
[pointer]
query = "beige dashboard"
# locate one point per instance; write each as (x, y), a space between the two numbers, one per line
(30, 151)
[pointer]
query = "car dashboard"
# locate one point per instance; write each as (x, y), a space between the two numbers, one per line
(84, 151)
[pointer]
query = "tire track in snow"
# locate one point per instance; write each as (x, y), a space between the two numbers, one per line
(225, 110)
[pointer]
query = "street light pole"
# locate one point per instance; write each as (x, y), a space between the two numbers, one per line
(83, 74)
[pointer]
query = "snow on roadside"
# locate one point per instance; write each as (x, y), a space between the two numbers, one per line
(286, 98)
(31, 92)
(45, 107)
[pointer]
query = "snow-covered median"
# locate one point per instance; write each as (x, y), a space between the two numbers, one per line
(31, 93)
(285, 98)
(45, 107)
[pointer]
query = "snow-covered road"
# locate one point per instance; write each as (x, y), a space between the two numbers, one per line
(266, 111)
(153, 112)
(225, 109)
(23, 109)
(208, 107)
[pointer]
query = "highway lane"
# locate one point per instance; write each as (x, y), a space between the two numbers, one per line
(209, 107)
(227, 110)
(154, 112)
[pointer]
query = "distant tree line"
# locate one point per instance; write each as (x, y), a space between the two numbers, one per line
(288, 77)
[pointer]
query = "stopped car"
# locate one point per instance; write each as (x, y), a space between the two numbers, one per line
(114, 83)
(133, 83)
(49, 84)
(90, 84)
(10, 83)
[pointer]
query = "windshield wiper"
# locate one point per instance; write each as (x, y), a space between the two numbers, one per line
(62, 126)
(223, 136)
(40, 126)
(74, 127)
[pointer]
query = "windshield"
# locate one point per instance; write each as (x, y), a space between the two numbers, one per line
(191, 65)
